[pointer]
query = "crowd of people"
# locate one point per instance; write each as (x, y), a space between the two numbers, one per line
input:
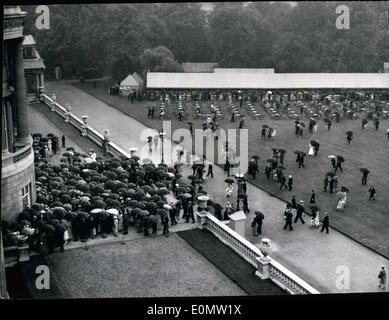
(85, 196)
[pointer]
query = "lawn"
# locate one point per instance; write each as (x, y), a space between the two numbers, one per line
(365, 221)
(146, 267)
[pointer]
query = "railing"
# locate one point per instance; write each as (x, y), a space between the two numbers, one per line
(279, 274)
(91, 133)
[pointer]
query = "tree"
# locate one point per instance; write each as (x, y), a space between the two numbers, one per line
(159, 59)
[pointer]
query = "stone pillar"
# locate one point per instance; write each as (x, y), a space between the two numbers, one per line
(201, 219)
(3, 283)
(238, 222)
(84, 128)
(4, 130)
(21, 103)
(54, 98)
(263, 267)
(67, 114)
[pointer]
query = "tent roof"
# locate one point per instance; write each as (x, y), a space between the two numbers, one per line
(28, 40)
(244, 70)
(199, 66)
(137, 78)
(267, 80)
(129, 81)
(35, 63)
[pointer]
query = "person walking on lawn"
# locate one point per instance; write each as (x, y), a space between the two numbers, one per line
(372, 193)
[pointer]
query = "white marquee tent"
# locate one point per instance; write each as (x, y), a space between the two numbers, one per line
(227, 80)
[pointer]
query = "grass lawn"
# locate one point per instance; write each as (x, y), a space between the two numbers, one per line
(146, 267)
(365, 221)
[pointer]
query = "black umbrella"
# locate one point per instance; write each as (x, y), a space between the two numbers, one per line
(326, 120)
(340, 158)
(265, 126)
(349, 133)
(281, 150)
(330, 174)
(364, 170)
(315, 143)
(229, 181)
(256, 157)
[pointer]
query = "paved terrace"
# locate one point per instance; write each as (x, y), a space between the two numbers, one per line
(315, 257)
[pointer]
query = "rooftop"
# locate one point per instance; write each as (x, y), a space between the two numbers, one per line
(199, 66)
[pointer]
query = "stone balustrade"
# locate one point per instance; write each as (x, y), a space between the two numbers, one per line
(84, 128)
(266, 267)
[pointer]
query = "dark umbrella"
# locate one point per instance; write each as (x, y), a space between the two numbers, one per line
(281, 150)
(255, 156)
(192, 177)
(314, 143)
(340, 158)
(265, 126)
(364, 170)
(349, 133)
(314, 207)
(330, 174)
(229, 180)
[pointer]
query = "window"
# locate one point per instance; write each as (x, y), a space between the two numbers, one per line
(26, 195)
(28, 53)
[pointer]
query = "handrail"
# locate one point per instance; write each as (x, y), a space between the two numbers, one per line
(93, 134)
(279, 274)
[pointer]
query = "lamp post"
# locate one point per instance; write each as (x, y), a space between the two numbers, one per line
(162, 135)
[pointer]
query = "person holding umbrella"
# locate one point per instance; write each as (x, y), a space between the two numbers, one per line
(339, 161)
(349, 136)
(263, 133)
(300, 211)
(365, 173)
(376, 123)
(258, 219)
(364, 124)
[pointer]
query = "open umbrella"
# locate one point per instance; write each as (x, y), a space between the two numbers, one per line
(255, 156)
(96, 210)
(113, 211)
(349, 133)
(187, 195)
(340, 158)
(314, 206)
(271, 161)
(330, 174)
(281, 150)
(314, 143)
(167, 206)
(192, 177)
(265, 126)
(331, 156)
(229, 181)
(364, 170)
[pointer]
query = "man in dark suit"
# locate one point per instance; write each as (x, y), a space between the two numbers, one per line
(210, 170)
(258, 220)
(282, 182)
(290, 183)
(326, 223)
(300, 210)
(263, 133)
(332, 183)
(190, 212)
(313, 197)
(364, 177)
(372, 193)
(288, 219)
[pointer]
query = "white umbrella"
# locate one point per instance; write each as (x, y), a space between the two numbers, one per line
(88, 160)
(331, 156)
(167, 207)
(97, 210)
(113, 211)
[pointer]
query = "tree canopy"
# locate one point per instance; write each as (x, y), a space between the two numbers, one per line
(116, 39)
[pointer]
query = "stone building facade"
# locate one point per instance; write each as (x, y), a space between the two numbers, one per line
(17, 170)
